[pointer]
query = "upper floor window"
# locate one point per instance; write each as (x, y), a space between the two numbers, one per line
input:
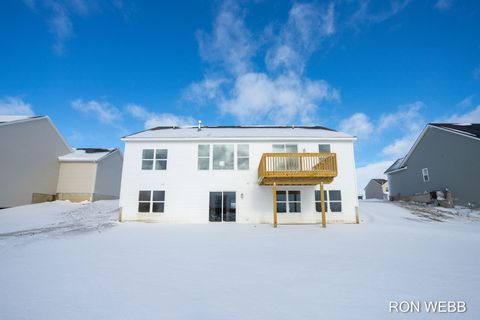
(332, 198)
(157, 157)
(151, 201)
(242, 157)
(425, 175)
(223, 157)
(203, 157)
(285, 148)
(323, 148)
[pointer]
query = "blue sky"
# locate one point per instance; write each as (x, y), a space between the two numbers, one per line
(380, 70)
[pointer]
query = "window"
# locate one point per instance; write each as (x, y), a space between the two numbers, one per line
(333, 201)
(157, 157)
(147, 159)
(151, 201)
(223, 157)
(323, 148)
(288, 201)
(203, 157)
(318, 203)
(285, 148)
(242, 157)
(425, 175)
(161, 159)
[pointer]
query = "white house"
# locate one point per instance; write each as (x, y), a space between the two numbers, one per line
(236, 174)
(90, 174)
(37, 164)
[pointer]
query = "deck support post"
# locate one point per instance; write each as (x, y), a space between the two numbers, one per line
(322, 204)
(274, 193)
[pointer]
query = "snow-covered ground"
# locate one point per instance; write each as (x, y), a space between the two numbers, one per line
(108, 270)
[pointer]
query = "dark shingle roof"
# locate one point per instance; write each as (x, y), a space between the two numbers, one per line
(396, 165)
(472, 129)
(380, 181)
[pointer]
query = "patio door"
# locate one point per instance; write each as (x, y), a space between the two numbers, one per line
(223, 207)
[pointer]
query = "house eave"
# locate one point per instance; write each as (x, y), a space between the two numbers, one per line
(145, 139)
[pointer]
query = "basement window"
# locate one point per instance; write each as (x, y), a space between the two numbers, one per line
(288, 201)
(151, 201)
(425, 175)
(333, 200)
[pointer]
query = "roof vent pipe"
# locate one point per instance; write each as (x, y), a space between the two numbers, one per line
(199, 125)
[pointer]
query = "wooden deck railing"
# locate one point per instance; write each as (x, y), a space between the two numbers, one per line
(296, 168)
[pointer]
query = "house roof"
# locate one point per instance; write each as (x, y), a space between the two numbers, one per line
(238, 132)
(472, 129)
(395, 166)
(86, 155)
(469, 130)
(380, 181)
(9, 118)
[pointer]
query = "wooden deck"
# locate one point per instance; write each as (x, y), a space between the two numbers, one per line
(297, 168)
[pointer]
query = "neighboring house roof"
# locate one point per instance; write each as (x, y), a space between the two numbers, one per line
(8, 120)
(468, 130)
(239, 132)
(4, 119)
(380, 181)
(87, 155)
(471, 129)
(395, 166)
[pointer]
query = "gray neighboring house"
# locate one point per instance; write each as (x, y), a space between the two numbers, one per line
(376, 189)
(444, 156)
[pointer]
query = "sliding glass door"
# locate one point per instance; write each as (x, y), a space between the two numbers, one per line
(223, 207)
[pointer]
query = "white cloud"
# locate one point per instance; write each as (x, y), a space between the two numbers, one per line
(408, 118)
(358, 125)
(370, 171)
(469, 117)
(209, 89)
(476, 73)
(283, 99)
(307, 26)
(281, 94)
(104, 111)
(365, 14)
(401, 146)
(443, 4)
(152, 119)
(230, 43)
(466, 102)
(59, 15)
(15, 106)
